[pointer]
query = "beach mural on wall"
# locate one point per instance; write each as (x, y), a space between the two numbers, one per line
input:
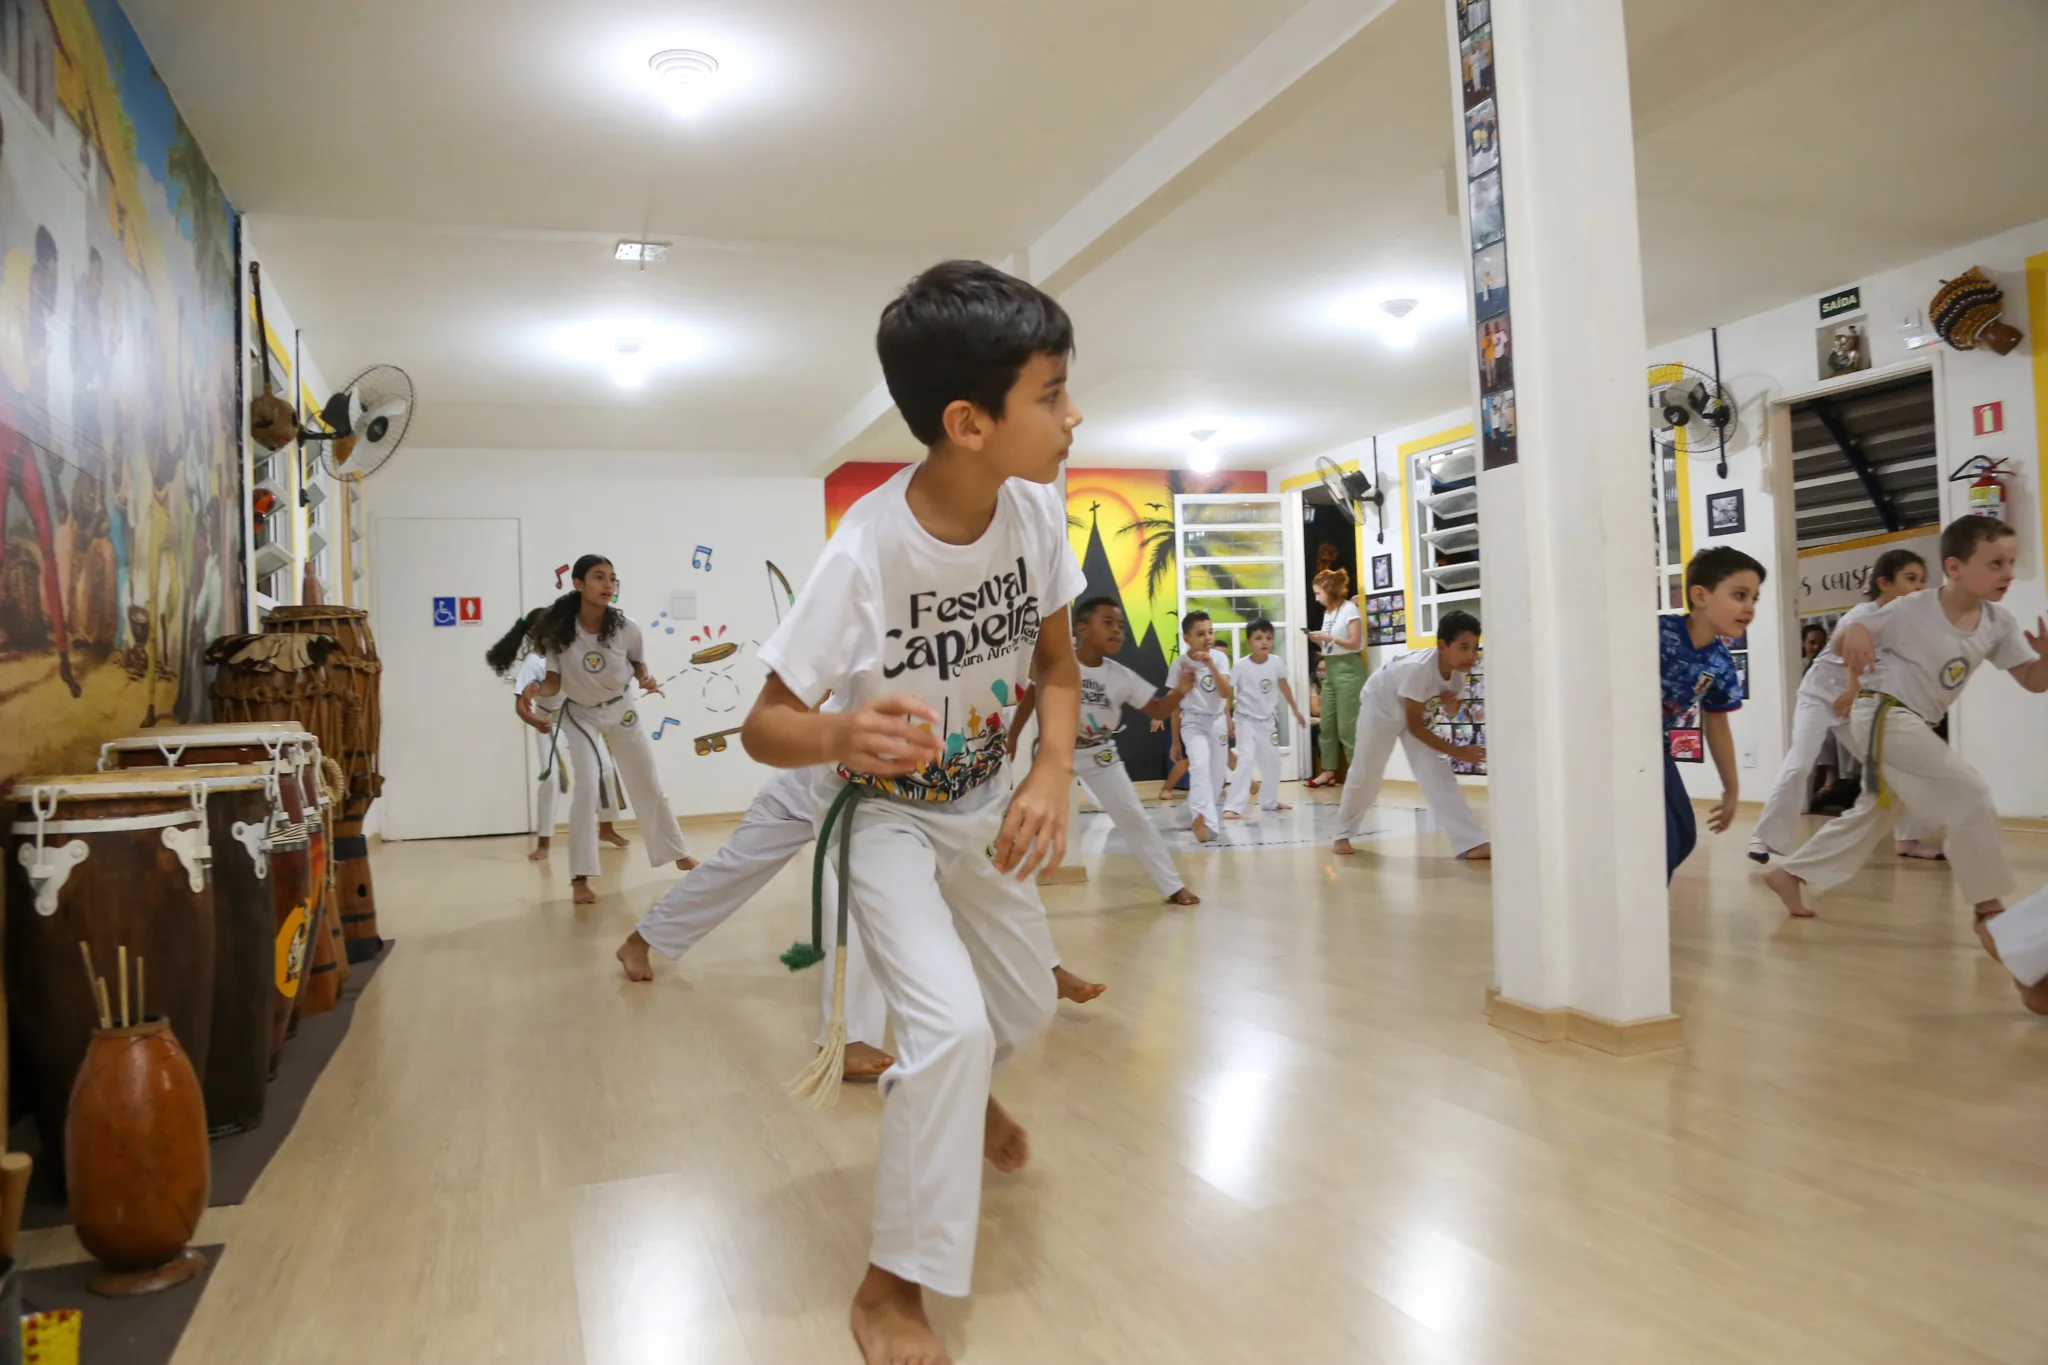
(120, 516)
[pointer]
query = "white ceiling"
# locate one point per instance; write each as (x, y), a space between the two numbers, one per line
(448, 200)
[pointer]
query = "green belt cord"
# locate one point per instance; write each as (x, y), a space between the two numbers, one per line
(800, 954)
(1885, 702)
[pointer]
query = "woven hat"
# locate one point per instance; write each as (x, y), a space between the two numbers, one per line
(1966, 313)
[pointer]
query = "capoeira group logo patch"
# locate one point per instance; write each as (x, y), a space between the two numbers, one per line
(1207, 682)
(629, 719)
(593, 662)
(1265, 684)
(1107, 757)
(1954, 672)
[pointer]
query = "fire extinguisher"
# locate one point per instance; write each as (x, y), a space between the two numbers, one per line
(1987, 488)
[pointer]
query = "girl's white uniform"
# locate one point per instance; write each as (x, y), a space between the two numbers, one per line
(556, 779)
(961, 950)
(781, 820)
(597, 676)
(1813, 722)
(1383, 723)
(1257, 701)
(1204, 733)
(1923, 661)
(1107, 690)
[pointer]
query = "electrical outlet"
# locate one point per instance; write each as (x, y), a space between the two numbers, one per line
(1749, 755)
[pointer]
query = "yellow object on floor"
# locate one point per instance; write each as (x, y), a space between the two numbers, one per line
(51, 1338)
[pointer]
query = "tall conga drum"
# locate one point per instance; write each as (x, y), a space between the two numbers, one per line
(112, 860)
(335, 694)
(243, 805)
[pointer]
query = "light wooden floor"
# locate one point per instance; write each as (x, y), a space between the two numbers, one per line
(1286, 1134)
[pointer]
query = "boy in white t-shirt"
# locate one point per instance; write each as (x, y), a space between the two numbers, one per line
(1258, 684)
(1108, 689)
(941, 594)
(1203, 729)
(1394, 709)
(1912, 659)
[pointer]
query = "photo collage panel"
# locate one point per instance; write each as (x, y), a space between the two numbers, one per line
(1488, 205)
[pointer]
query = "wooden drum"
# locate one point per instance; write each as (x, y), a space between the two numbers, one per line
(114, 860)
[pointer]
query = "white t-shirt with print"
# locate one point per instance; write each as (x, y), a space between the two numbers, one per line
(1336, 622)
(1107, 691)
(1923, 660)
(598, 671)
(1829, 675)
(1258, 688)
(890, 608)
(532, 670)
(1411, 677)
(1204, 701)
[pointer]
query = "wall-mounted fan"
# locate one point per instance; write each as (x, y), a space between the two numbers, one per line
(1696, 403)
(365, 422)
(1351, 490)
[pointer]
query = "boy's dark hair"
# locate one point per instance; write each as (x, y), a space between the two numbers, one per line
(1715, 565)
(1961, 537)
(1814, 628)
(1452, 624)
(1888, 567)
(964, 330)
(1190, 621)
(1086, 611)
(1255, 627)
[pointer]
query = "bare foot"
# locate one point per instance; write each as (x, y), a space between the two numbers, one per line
(1788, 886)
(1481, 854)
(1202, 832)
(1280, 809)
(1183, 897)
(889, 1323)
(1232, 815)
(686, 864)
(1342, 848)
(581, 892)
(539, 854)
(2034, 997)
(633, 957)
(865, 1062)
(607, 834)
(1073, 988)
(1917, 848)
(1004, 1141)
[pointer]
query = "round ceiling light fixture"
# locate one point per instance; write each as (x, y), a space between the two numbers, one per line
(685, 76)
(629, 363)
(1400, 324)
(1202, 459)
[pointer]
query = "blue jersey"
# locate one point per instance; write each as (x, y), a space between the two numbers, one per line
(1694, 678)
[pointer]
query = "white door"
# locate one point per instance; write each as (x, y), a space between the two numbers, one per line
(1233, 564)
(454, 759)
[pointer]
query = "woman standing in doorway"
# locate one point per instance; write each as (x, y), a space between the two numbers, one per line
(594, 658)
(1343, 640)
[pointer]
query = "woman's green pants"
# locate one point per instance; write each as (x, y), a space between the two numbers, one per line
(1343, 676)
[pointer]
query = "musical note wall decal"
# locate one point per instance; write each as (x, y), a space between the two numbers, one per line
(701, 558)
(666, 721)
(558, 576)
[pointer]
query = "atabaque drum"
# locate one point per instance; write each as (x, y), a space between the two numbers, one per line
(328, 970)
(244, 803)
(112, 860)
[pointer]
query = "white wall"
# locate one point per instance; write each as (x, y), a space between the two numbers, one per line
(646, 513)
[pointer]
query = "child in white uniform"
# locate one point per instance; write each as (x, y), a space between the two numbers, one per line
(1257, 685)
(1912, 659)
(940, 595)
(1392, 709)
(1203, 733)
(541, 713)
(595, 655)
(1897, 573)
(1108, 689)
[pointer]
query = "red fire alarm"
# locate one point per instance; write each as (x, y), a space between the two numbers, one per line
(1989, 418)
(471, 611)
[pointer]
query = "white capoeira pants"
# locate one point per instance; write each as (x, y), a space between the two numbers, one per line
(2021, 934)
(1257, 756)
(777, 827)
(1109, 785)
(1920, 773)
(963, 955)
(557, 781)
(1206, 742)
(1378, 733)
(623, 726)
(1813, 720)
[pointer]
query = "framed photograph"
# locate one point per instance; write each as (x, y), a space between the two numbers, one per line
(1477, 711)
(1489, 217)
(1688, 746)
(1841, 347)
(1496, 356)
(1497, 423)
(1382, 573)
(1475, 56)
(1490, 280)
(1724, 513)
(1482, 138)
(1472, 16)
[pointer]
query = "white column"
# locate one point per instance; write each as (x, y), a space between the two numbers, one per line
(1581, 938)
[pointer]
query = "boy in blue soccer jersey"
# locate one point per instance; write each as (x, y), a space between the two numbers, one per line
(1721, 589)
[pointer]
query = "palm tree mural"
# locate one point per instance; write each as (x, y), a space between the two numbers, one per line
(1157, 541)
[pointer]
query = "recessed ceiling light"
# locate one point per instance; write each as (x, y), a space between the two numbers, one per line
(629, 363)
(685, 76)
(1202, 459)
(645, 252)
(1400, 324)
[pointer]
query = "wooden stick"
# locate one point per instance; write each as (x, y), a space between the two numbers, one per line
(91, 976)
(99, 984)
(14, 1173)
(141, 996)
(123, 952)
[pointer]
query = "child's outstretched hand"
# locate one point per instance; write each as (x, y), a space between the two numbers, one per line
(1723, 814)
(1469, 753)
(2038, 636)
(883, 737)
(1035, 826)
